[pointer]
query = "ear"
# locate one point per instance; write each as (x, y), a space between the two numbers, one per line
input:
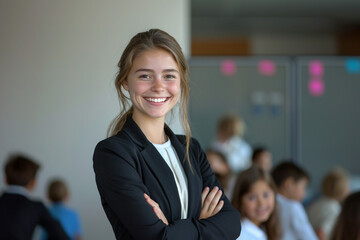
(125, 85)
(31, 185)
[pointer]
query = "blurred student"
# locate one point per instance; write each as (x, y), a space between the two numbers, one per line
(19, 215)
(230, 142)
(348, 222)
(262, 158)
(323, 212)
(255, 198)
(291, 181)
(222, 171)
(58, 195)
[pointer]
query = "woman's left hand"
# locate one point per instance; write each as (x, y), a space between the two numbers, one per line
(156, 208)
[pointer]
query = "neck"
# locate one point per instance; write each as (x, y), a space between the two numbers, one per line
(284, 193)
(153, 128)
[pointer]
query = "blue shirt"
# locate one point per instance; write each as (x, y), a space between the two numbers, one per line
(68, 218)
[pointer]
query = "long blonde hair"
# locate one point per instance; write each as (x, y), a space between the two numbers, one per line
(143, 41)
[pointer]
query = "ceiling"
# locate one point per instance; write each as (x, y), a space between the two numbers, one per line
(243, 17)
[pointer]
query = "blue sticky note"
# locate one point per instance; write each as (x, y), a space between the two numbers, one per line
(352, 65)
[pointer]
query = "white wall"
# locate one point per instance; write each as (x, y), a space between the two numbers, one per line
(57, 65)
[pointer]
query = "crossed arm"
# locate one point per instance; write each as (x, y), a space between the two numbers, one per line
(127, 208)
(210, 204)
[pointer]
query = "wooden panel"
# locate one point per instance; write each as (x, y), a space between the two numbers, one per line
(220, 47)
(349, 42)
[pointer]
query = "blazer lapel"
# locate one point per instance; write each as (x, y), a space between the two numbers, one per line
(159, 167)
(194, 191)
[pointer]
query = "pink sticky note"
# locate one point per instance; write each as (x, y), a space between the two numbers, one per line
(316, 68)
(266, 67)
(316, 87)
(228, 67)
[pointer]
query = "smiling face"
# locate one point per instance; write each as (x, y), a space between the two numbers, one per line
(258, 203)
(153, 84)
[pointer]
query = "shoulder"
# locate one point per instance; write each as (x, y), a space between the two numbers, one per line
(251, 231)
(71, 213)
(194, 143)
(119, 144)
(289, 204)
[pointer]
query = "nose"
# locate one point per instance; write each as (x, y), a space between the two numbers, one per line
(261, 201)
(158, 84)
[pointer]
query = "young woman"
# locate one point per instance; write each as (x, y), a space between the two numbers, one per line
(155, 184)
(255, 198)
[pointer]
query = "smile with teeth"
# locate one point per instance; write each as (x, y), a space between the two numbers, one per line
(156, 100)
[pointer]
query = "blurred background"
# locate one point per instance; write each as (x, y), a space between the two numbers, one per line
(290, 69)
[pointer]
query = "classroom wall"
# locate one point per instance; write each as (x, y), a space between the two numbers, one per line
(57, 66)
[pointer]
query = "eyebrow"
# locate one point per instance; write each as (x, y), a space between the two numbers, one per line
(150, 70)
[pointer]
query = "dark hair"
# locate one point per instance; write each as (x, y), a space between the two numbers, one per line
(57, 191)
(243, 185)
(221, 155)
(20, 170)
(257, 152)
(223, 179)
(348, 222)
(287, 169)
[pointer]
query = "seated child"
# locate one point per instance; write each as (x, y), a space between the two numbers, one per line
(254, 197)
(323, 212)
(262, 158)
(58, 194)
(291, 181)
(348, 222)
(230, 142)
(19, 215)
(222, 171)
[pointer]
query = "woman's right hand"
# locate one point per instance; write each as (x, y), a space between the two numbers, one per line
(210, 202)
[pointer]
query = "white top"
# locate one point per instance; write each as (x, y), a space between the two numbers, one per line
(170, 156)
(294, 221)
(323, 214)
(237, 153)
(16, 189)
(249, 231)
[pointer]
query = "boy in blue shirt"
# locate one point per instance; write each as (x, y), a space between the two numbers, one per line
(58, 194)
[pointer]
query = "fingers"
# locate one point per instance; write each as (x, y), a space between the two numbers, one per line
(156, 208)
(211, 203)
(218, 207)
(160, 214)
(215, 201)
(151, 202)
(204, 194)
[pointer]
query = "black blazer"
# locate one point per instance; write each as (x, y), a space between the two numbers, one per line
(19, 216)
(127, 165)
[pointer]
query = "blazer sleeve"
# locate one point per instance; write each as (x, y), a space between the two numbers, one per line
(226, 223)
(118, 178)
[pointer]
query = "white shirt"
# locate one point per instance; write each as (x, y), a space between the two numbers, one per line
(249, 231)
(237, 153)
(17, 189)
(323, 214)
(168, 153)
(294, 221)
